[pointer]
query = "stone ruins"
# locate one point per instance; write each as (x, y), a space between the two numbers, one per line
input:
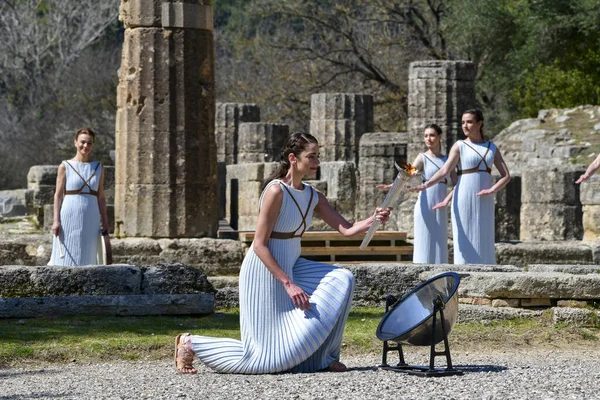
(183, 163)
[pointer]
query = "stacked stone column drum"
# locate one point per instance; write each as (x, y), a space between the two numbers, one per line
(261, 142)
(338, 120)
(166, 167)
(551, 207)
(438, 93)
(378, 152)
(227, 124)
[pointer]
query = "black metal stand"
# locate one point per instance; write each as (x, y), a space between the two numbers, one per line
(402, 366)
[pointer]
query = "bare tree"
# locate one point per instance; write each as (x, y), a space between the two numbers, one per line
(41, 42)
(298, 48)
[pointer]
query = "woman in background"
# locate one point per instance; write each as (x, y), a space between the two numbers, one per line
(79, 206)
(473, 223)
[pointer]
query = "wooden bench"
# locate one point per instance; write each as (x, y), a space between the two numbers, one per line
(333, 246)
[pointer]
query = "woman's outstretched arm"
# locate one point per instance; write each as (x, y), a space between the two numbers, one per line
(334, 219)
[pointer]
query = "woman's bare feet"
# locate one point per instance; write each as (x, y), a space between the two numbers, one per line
(336, 366)
(184, 355)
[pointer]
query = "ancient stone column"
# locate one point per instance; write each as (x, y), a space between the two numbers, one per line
(227, 125)
(338, 120)
(438, 93)
(261, 142)
(229, 118)
(550, 204)
(166, 165)
(378, 152)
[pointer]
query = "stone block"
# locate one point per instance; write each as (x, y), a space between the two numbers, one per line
(438, 92)
(229, 116)
(591, 222)
(121, 305)
(590, 191)
(551, 185)
(508, 210)
(43, 195)
(174, 279)
(470, 313)
(566, 269)
(338, 120)
(41, 175)
(506, 303)
(576, 316)
(561, 252)
(166, 210)
(540, 302)
(149, 13)
(15, 202)
(341, 186)
(482, 301)
(261, 142)
(109, 183)
(572, 303)
(529, 287)
(550, 221)
(69, 281)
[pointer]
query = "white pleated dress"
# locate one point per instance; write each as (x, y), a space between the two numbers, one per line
(79, 216)
(431, 226)
(275, 336)
(473, 216)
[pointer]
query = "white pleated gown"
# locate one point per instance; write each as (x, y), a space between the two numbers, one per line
(431, 226)
(79, 218)
(275, 336)
(473, 216)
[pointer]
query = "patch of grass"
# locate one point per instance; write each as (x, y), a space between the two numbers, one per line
(97, 339)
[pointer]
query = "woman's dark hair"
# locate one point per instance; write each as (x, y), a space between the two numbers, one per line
(478, 117)
(85, 131)
(295, 144)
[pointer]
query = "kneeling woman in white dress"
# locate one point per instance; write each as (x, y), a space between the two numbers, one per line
(473, 220)
(292, 310)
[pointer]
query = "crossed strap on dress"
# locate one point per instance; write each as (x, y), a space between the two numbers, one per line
(85, 182)
(445, 181)
(294, 234)
(476, 169)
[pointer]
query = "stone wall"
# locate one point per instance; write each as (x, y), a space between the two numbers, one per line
(338, 120)
(551, 208)
(261, 142)
(100, 290)
(438, 93)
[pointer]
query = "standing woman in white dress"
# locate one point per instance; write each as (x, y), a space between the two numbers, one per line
(430, 215)
(79, 206)
(473, 222)
(292, 310)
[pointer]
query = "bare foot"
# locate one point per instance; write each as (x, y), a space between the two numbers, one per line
(336, 366)
(184, 355)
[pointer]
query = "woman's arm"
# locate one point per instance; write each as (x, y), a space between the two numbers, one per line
(504, 175)
(449, 165)
(340, 224)
(591, 170)
(59, 194)
(267, 216)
